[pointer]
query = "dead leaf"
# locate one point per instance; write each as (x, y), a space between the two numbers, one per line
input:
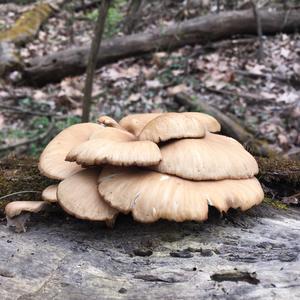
(174, 90)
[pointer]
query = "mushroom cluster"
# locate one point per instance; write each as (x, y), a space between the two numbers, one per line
(169, 166)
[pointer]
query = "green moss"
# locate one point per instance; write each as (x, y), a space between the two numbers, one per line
(20, 174)
(27, 25)
(275, 203)
(279, 170)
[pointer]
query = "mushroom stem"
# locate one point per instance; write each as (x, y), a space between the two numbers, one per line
(15, 212)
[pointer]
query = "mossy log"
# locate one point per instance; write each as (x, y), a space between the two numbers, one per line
(18, 175)
(21, 174)
(27, 26)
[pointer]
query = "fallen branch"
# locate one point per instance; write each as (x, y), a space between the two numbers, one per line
(230, 125)
(295, 82)
(71, 62)
(255, 98)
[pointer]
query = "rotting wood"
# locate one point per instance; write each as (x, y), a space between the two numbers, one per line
(71, 62)
(27, 26)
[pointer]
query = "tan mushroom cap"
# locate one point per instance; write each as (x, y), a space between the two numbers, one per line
(214, 157)
(49, 193)
(151, 196)
(15, 208)
(136, 122)
(78, 195)
(104, 151)
(114, 134)
(109, 122)
(52, 160)
(208, 121)
(172, 126)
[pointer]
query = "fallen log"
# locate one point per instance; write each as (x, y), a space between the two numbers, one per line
(71, 62)
(19, 174)
(230, 125)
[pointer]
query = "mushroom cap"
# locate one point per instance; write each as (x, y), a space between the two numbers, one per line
(151, 196)
(211, 124)
(15, 208)
(52, 160)
(214, 157)
(104, 151)
(114, 134)
(109, 122)
(78, 195)
(136, 122)
(49, 193)
(172, 126)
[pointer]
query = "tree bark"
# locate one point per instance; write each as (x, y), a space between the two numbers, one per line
(54, 67)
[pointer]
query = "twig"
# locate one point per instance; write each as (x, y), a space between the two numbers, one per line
(289, 80)
(24, 111)
(254, 97)
(39, 137)
(95, 46)
(18, 193)
(260, 53)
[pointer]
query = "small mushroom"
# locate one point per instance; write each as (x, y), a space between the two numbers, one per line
(151, 196)
(172, 126)
(17, 212)
(136, 122)
(49, 193)
(114, 134)
(52, 160)
(109, 122)
(214, 157)
(78, 195)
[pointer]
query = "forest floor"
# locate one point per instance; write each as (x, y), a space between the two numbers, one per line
(264, 96)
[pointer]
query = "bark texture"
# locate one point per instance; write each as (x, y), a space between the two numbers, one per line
(53, 68)
(243, 256)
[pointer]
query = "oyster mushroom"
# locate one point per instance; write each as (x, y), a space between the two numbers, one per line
(49, 193)
(214, 157)
(52, 162)
(136, 122)
(18, 212)
(116, 147)
(151, 196)
(78, 195)
(172, 126)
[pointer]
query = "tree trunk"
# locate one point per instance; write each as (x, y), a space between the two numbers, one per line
(53, 68)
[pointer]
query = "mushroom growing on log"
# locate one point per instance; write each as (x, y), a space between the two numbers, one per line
(156, 166)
